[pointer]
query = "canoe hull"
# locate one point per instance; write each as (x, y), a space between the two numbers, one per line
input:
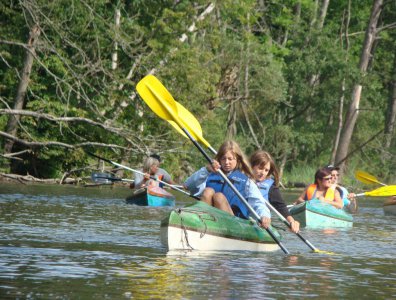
(205, 228)
(316, 214)
(151, 196)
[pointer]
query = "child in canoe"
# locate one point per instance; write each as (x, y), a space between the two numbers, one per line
(322, 190)
(151, 167)
(349, 200)
(208, 183)
(267, 179)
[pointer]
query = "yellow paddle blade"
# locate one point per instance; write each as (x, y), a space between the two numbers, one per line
(184, 114)
(366, 178)
(161, 102)
(157, 97)
(324, 252)
(385, 191)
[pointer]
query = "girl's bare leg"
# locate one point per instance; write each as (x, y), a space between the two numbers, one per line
(207, 196)
(221, 202)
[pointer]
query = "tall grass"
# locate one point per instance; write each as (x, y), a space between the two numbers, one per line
(299, 175)
(304, 175)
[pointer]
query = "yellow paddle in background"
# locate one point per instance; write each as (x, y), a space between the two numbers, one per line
(162, 103)
(367, 178)
(385, 191)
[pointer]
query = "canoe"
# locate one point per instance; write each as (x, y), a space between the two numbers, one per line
(151, 196)
(200, 226)
(318, 214)
(390, 207)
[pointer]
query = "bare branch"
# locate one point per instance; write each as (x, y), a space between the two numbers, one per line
(58, 144)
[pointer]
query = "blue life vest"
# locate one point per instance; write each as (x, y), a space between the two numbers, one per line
(344, 195)
(239, 180)
(264, 187)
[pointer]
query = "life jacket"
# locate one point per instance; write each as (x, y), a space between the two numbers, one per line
(311, 192)
(239, 180)
(264, 187)
(155, 182)
(344, 195)
(159, 177)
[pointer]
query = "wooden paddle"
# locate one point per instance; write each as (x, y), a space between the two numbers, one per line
(173, 187)
(162, 103)
(105, 178)
(367, 178)
(385, 191)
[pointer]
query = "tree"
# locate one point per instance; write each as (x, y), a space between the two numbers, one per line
(19, 101)
(353, 110)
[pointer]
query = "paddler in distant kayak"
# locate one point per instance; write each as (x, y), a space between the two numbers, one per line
(349, 200)
(216, 192)
(322, 190)
(151, 167)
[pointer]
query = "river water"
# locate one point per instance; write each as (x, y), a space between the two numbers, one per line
(60, 242)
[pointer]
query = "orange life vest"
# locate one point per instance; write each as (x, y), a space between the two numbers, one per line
(155, 182)
(311, 191)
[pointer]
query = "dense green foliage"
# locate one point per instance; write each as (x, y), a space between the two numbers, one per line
(271, 62)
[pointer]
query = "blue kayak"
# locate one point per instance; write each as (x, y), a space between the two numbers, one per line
(151, 196)
(318, 214)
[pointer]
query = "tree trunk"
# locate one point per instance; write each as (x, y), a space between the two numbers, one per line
(227, 87)
(353, 110)
(323, 13)
(315, 78)
(339, 127)
(231, 121)
(391, 116)
(342, 98)
(244, 102)
(19, 101)
(114, 55)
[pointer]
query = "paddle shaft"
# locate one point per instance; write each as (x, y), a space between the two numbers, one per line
(287, 223)
(360, 195)
(110, 178)
(136, 171)
(255, 214)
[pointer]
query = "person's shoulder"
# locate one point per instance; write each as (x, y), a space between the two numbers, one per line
(162, 171)
(274, 187)
(274, 191)
(250, 182)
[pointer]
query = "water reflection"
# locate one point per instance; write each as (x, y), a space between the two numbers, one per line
(58, 243)
(162, 276)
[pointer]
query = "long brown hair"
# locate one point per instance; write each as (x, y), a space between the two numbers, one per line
(261, 158)
(320, 174)
(242, 163)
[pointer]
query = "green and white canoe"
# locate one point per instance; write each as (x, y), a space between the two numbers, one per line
(202, 227)
(318, 214)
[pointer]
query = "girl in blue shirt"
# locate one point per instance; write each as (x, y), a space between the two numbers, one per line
(216, 192)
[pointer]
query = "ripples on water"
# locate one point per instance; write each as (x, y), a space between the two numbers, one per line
(68, 243)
